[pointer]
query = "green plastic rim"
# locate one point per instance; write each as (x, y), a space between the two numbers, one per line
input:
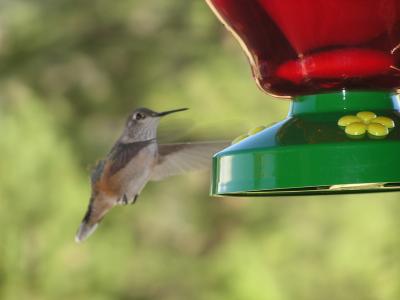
(308, 153)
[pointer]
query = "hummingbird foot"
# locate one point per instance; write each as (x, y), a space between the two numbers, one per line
(124, 200)
(135, 199)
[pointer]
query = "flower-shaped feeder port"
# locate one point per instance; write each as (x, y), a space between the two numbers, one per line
(357, 126)
(251, 132)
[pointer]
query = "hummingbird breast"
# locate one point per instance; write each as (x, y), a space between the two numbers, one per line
(131, 179)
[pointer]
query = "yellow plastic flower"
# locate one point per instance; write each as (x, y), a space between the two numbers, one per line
(239, 138)
(357, 126)
(249, 133)
(255, 130)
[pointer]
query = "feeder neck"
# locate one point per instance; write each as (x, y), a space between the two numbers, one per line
(346, 101)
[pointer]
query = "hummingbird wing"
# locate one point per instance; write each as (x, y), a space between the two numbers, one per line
(97, 171)
(175, 159)
(121, 154)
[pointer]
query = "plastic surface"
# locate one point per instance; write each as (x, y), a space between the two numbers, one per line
(310, 153)
(299, 47)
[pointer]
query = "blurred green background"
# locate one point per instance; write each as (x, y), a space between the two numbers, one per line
(70, 72)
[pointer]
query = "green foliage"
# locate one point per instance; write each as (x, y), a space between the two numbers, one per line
(69, 73)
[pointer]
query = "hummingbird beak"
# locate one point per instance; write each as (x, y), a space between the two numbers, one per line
(164, 113)
(84, 231)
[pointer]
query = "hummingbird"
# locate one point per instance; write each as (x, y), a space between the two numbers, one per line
(135, 159)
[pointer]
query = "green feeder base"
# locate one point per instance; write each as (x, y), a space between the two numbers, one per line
(309, 153)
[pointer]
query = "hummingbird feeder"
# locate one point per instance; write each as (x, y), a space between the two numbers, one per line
(338, 61)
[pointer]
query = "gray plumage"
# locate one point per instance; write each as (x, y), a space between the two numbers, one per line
(135, 159)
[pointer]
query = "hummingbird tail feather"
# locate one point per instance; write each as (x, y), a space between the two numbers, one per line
(84, 231)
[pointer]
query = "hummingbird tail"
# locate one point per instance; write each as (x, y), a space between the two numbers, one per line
(84, 231)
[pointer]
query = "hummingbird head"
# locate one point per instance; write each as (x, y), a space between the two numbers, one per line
(142, 124)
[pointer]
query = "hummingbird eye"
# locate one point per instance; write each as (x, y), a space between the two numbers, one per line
(139, 116)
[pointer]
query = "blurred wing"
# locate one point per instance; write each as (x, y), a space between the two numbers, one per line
(175, 159)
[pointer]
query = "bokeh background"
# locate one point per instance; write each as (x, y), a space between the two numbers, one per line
(70, 72)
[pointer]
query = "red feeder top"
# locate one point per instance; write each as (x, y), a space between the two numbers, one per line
(309, 46)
